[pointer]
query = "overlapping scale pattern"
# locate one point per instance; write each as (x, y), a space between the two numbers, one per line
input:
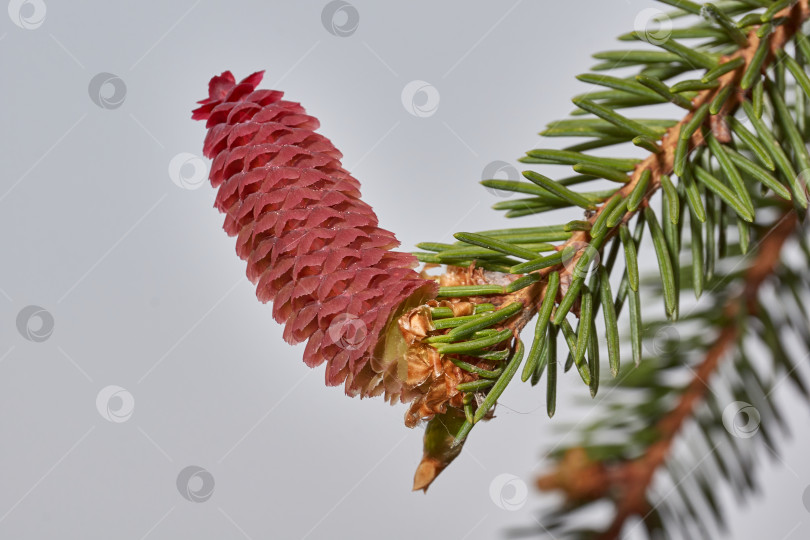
(312, 246)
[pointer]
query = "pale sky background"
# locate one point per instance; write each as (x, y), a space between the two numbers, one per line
(147, 294)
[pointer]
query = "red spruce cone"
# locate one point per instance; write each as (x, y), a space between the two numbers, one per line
(311, 245)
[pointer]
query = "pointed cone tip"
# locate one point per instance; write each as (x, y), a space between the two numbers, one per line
(426, 473)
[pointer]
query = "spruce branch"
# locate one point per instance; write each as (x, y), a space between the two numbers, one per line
(660, 164)
(626, 482)
(450, 345)
(699, 150)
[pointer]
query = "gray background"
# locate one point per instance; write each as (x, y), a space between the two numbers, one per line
(147, 293)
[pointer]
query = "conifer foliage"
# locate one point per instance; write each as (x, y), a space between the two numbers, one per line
(721, 199)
